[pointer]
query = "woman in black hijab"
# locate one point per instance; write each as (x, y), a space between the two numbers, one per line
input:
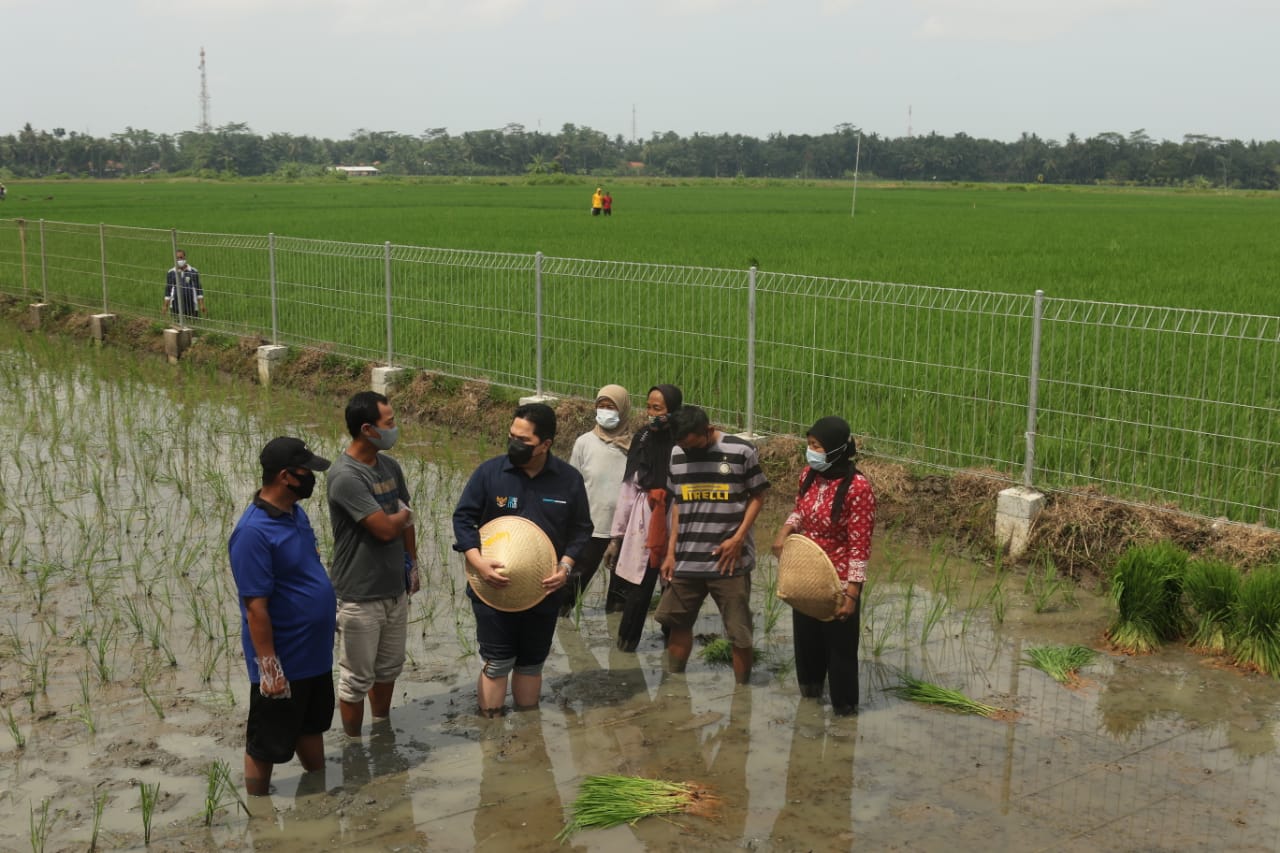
(640, 521)
(836, 508)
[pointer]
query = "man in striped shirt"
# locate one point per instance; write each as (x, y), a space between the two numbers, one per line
(718, 491)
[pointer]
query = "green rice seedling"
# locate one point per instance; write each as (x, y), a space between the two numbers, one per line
(15, 731)
(773, 606)
(42, 575)
(209, 663)
(719, 652)
(220, 792)
(149, 795)
(99, 805)
(41, 828)
(135, 617)
(1061, 663)
(145, 683)
(605, 801)
(1043, 585)
(1255, 626)
(997, 598)
(918, 690)
(85, 711)
(103, 650)
(937, 609)
(908, 601)
(1146, 588)
(943, 581)
(1212, 590)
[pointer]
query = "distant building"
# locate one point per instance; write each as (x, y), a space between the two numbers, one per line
(635, 166)
(357, 170)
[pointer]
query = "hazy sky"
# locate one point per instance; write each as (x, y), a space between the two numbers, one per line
(989, 68)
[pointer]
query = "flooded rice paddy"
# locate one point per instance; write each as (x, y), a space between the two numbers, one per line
(121, 674)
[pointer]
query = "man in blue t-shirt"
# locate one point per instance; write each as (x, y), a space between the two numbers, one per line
(287, 612)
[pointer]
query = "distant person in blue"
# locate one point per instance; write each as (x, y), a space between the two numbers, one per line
(530, 482)
(183, 294)
(288, 616)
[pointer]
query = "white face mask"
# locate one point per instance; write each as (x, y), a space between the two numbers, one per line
(181, 263)
(608, 418)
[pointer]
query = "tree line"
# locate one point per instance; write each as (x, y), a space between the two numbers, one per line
(235, 150)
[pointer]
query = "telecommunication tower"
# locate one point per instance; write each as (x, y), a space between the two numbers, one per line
(204, 97)
(908, 121)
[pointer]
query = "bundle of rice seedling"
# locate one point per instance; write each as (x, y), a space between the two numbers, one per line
(910, 687)
(1212, 588)
(1254, 639)
(605, 801)
(1146, 587)
(719, 652)
(1060, 662)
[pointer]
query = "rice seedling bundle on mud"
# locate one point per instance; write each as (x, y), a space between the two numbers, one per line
(1254, 640)
(1146, 588)
(605, 801)
(927, 693)
(719, 652)
(1061, 663)
(1212, 589)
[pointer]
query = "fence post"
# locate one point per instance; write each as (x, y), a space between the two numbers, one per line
(1033, 391)
(275, 311)
(386, 267)
(102, 253)
(22, 244)
(537, 314)
(44, 268)
(177, 278)
(751, 351)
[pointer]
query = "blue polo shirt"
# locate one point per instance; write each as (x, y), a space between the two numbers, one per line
(555, 500)
(274, 555)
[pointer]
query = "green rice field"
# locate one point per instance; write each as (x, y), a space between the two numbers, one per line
(1196, 250)
(1167, 404)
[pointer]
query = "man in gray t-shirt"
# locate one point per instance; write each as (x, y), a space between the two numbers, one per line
(374, 567)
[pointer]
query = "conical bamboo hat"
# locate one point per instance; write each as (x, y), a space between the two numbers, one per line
(807, 580)
(527, 556)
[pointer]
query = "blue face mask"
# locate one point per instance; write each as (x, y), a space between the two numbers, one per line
(816, 459)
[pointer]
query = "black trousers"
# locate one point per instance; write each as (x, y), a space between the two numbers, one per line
(636, 610)
(828, 652)
(584, 569)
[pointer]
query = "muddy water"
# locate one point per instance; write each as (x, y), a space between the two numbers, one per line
(120, 666)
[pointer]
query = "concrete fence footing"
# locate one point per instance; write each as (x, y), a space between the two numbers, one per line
(1016, 510)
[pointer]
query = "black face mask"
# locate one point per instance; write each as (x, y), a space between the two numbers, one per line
(518, 452)
(306, 484)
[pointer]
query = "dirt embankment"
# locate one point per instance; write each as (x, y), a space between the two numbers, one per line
(1081, 533)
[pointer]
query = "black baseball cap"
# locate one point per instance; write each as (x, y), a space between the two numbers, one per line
(288, 452)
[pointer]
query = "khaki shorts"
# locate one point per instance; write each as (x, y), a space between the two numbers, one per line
(371, 639)
(682, 600)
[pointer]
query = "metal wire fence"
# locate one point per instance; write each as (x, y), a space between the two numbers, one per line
(1159, 406)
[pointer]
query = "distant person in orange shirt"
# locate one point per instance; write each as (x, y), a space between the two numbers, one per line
(606, 204)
